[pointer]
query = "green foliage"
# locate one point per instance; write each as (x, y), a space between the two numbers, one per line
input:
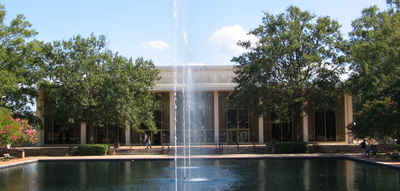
(393, 3)
(20, 64)
(82, 81)
(296, 64)
(376, 119)
(88, 83)
(395, 147)
(375, 82)
(92, 149)
(291, 147)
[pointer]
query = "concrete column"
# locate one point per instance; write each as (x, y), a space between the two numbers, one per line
(261, 126)
(305, 127)
(83, 133)
(216, 117)
(171, 118)
(40, 113)
(127, 133)
(261, 129)
(348, 116)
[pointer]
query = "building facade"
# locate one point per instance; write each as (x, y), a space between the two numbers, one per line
(215, 120)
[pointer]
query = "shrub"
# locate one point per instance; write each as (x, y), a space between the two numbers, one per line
(313, 148)
(291, 147)
(92, 149)
(395, 147)
(14, 130)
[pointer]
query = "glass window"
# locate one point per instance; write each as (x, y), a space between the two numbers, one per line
(236, 123)
(325, 123)
(157, 118)
(244, 136)
(282, 130)
(243, 119)
(232, 119)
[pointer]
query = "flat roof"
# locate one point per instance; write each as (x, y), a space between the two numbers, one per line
(200, 78)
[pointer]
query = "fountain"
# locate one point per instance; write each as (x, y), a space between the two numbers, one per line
(184, 98)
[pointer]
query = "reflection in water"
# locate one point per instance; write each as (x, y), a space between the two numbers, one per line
(248, 174)
(349, 174)
(306, 175)
(398, 175)
(261, 175)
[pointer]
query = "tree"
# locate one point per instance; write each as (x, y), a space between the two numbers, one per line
(127, 91)
(20, 64)
(375, 42)
(296, 64)
(88, 83)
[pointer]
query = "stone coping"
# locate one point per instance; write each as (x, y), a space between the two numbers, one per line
(392, 164)
(348, 156)
(17, 162)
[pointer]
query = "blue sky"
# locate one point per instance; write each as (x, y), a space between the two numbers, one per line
(203, 31)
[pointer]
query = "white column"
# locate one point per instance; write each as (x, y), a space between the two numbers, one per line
(305, 127)
(83, 133)
(216, 117)
(171, 118)
(261, 129)
(348, 116)
(127, 133)
(261, 126)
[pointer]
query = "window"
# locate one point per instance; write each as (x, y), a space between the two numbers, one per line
(325, 126)
(237, 125)
(197, 114)
(282, 130)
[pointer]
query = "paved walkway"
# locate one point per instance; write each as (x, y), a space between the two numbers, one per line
(357, 157)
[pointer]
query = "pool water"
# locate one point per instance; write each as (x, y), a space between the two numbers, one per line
(205, 174)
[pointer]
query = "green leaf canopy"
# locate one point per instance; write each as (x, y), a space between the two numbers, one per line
(296, 63)
(88, 83)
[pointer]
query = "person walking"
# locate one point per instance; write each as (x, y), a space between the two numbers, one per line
(147, 140)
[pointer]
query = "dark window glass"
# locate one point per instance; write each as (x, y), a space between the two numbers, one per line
(325, 126)
(232, 119)
(243, 119)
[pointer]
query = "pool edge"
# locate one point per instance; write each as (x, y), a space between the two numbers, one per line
(377, 163)
(20, 163)
(348, 156)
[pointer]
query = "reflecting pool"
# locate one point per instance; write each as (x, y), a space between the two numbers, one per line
(205, 174)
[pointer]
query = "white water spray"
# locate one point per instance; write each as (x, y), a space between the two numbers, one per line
(184, 101)
(175, 60)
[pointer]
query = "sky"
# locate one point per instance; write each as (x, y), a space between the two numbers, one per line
(199, 32)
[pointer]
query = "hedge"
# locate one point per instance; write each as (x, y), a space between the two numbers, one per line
(395, 147)
(291, 147)
(92, 149)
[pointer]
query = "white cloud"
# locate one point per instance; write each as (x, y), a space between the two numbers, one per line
(157, 44)
(226, 38)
